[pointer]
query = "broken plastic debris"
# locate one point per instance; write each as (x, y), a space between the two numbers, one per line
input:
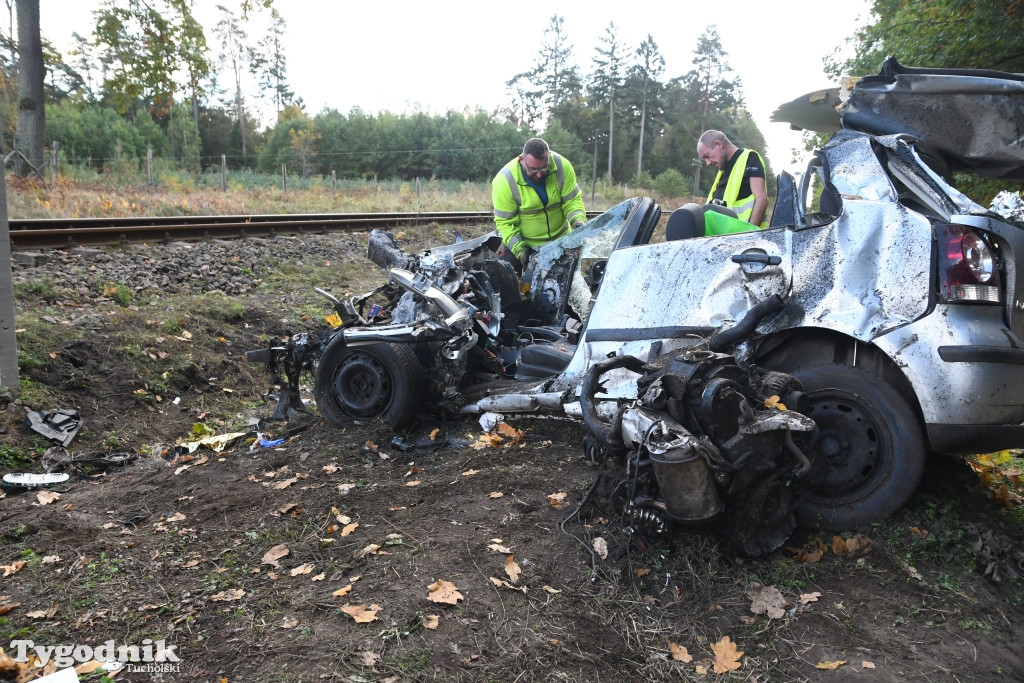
(62, 676)
(29, 480)
(59, 426)
(489, 421)
(216, 442)
(423, 442)
(268, 443)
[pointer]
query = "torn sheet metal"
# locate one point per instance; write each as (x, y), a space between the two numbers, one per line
(59, 426)
(973, 117)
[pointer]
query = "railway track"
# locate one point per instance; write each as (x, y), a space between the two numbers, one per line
(59, 233)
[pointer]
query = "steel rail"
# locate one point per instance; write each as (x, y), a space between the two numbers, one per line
(59, 233)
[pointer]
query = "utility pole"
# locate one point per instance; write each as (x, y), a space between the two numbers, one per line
(8, 338)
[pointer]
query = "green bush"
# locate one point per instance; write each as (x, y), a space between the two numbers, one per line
(119, 294)
(671, 183)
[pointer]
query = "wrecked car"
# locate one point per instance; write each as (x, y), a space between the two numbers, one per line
(886, 304)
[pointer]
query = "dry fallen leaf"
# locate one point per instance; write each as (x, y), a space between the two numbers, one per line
(13, 567)
(89, 667)
(362, 614)
(434, 432)
(8, 606)
(228, 595)
(867, 665)
(486, 441)
(502, 583)
(47, 497)
(727, 658)
(496, 494)
(511, 568)
(830, 666)
(809, 597)
(286, 483)
(497, 547)
(274, 554)
(557, 500)
(811, 552)
(469, 473)
(549, 589)
(302, 569)
(344, 590)
(430, 621)
(601, 547)
(289, 622)
(414, 482)
(510, 432)
(367, 658)
(371, 549)
(767, 600)
(679, 653)
(349, 528)
(445, 592)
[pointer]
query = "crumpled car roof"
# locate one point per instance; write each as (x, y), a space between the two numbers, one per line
(974, 118)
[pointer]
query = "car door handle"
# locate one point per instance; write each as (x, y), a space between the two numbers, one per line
(766, 259)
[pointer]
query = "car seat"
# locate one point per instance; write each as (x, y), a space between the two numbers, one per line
(688, 220)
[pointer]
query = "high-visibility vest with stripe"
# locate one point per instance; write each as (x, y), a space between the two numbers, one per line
(522, 218)
(743, 206)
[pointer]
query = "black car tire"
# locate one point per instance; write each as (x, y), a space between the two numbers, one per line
(368, 382)
(874, 443)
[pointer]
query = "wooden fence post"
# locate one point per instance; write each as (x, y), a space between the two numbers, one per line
(224, 172)
(56, 146)
(149, 166)
(284, 177)
(334, 181)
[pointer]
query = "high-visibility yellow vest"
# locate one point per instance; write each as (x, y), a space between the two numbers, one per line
(743, 206)
(522, 218)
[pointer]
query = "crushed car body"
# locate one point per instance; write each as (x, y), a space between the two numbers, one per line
(888, 302)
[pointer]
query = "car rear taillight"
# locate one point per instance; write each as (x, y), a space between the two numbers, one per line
(968, 266)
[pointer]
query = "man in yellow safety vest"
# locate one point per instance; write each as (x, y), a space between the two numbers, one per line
(744, 190)
(536, 200)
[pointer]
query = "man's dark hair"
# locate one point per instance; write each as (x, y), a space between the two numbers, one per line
(536, 147)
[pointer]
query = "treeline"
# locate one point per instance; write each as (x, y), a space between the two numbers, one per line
(149, 77)
(146, 79)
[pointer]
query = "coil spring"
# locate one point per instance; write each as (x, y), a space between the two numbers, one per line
(647, 519)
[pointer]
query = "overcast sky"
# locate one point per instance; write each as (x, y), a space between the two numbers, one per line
(434, 56)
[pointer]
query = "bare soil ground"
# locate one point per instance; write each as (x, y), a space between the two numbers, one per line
(190, 548)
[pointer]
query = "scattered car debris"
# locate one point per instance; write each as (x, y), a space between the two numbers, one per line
(58, 458)
(215, 442)
(59, 426)
(33, 480)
